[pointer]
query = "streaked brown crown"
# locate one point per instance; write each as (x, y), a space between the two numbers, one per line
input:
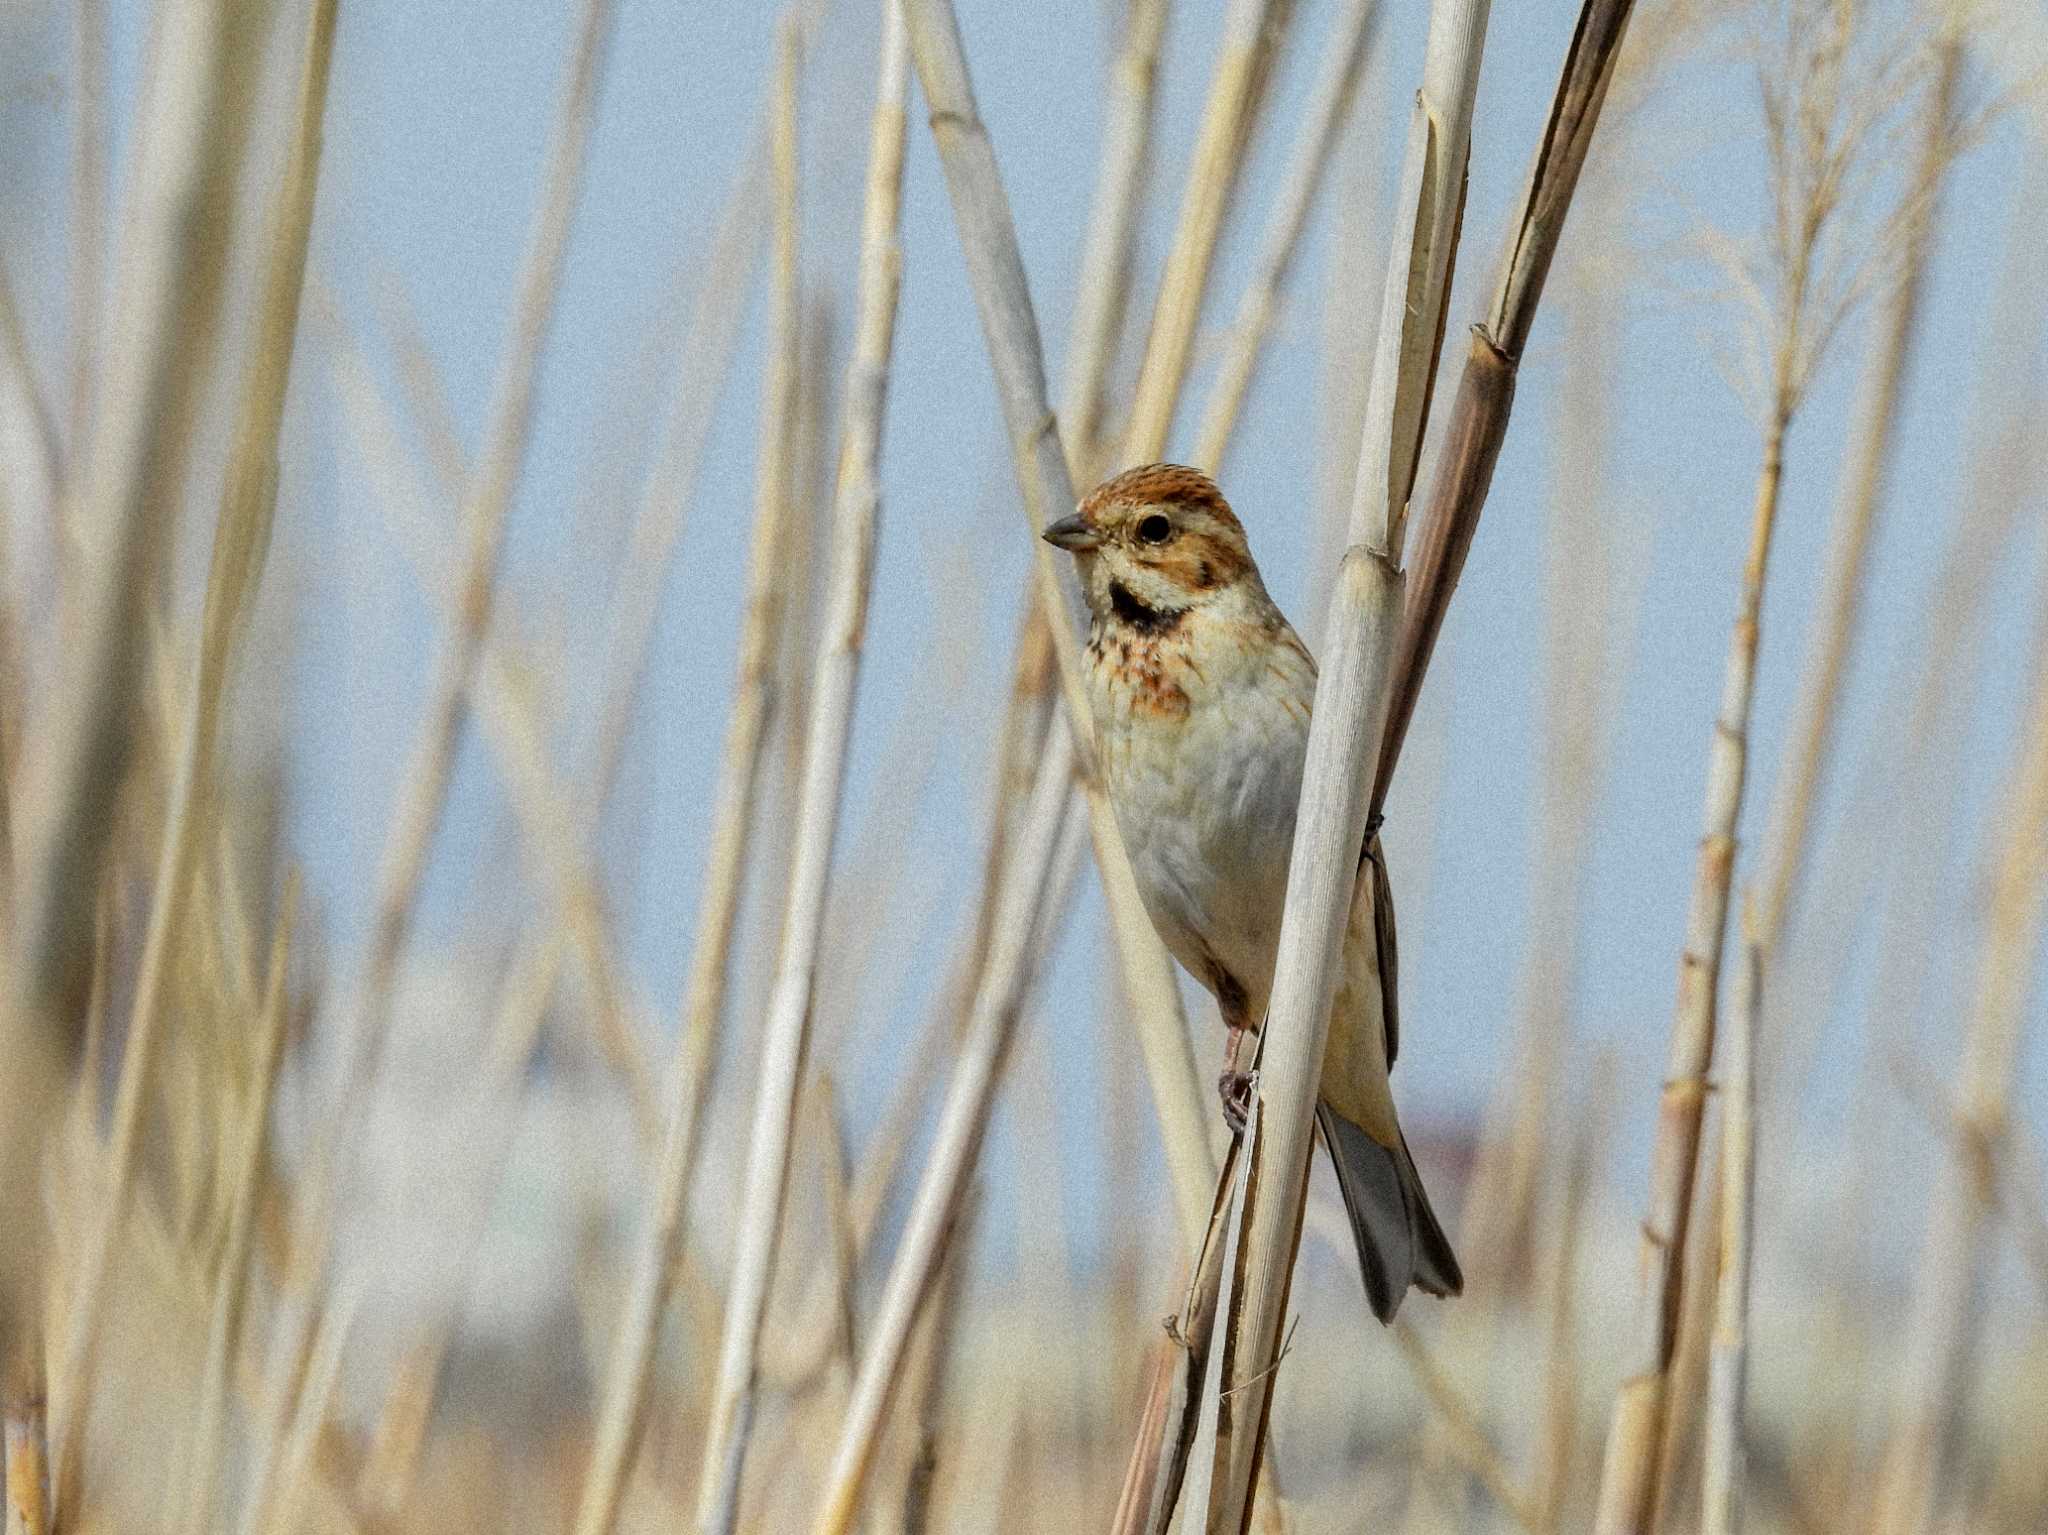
(1208, 551)
(1156, 485)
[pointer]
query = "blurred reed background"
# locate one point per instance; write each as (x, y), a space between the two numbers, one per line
(525, 738)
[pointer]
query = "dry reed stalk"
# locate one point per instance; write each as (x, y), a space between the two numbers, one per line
(1344, 734)
(1464, 1433)
(1722, 1473)
(1198, 1493)
(1504, 1204)
(38, 421)
(88, 234)
(1813, 137)
(1946, 1321)
(988, 239)
(26, 1496)
(202, 1470)
(486, 504)
(275, 1503)
(1028, 908)
(554, 836)
(924, 1378)
(835, 677)
(1872, 453)
(781, 1068)
(1154, 1475)
(1237, 88)
(1102, 290)
(1551, 1477)
(1677, 1505)
(1019, 744)
(712, 336)
(1486, 390)
(551, 835)
(1329, 108)
(241, 542)
(170, 279)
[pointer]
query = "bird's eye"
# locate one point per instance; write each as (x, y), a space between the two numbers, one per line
(1155, 529)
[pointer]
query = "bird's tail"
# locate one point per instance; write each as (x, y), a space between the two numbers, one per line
(1399, 1241)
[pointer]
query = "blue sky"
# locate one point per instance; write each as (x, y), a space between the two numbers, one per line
(439, 118)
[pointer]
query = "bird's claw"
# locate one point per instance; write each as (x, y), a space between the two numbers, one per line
(1235, 1089)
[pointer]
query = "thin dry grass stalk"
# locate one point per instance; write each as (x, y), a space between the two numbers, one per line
(27, 1492)
(241, 542)
(1102, 290)
(712, 338)
(1872, 454)
(1329, 107)
(782, 1051)
(989, 240)
(1237, 88)
(486, 504)
(835, 678)
(1170, 1417)
(1486, 391)
(232, 1284)
(1346, 727)
(170, 278)
(88, 213)
(1722, 1468)
(1027, 910)
(1814, 138)
(1942, 1337)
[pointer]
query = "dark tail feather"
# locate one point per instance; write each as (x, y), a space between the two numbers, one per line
(1399, 1240)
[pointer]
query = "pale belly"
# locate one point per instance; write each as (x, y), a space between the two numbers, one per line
(1206, 807)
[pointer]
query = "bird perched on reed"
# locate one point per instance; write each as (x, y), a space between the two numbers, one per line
(1201, 693)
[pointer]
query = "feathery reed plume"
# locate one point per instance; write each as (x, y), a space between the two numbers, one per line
(241, 543)
(836, 675)
(1871, 456)
(1329, 107)
(1819, 119)
(1942, 1338)
(782, 1061)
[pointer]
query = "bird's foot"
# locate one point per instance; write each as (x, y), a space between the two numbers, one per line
(1235, 1089)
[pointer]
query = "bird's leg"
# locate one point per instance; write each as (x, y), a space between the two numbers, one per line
(1234, 1086)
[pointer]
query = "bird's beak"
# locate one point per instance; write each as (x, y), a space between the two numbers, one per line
(1072, 534)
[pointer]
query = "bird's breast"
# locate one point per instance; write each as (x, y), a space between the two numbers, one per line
(1205, 793)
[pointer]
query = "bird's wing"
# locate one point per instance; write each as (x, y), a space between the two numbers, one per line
(1383, 943)
(1354, 1078)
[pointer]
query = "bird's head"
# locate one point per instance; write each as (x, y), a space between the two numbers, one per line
(1156, 542)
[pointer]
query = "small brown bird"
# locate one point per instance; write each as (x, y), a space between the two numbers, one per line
(1201, 693)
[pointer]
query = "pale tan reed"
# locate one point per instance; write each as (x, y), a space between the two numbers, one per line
(1352, 693)
(782, 1057)
(1329, 107)
(835, 676)
(241, 543)
(1722, 1468)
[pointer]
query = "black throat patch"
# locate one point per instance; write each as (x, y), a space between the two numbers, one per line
(1131, 611)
